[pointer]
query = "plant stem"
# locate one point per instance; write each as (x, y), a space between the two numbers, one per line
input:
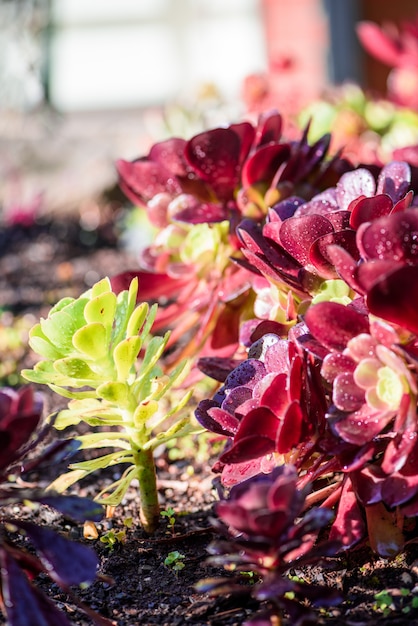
(150, 507)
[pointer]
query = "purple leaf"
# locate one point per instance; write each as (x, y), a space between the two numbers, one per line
(151, 285)
(324, 203)
(319, 251)
(336, 363)
(353, 184)
(187, 208)
(368, 209)
(274, 395)
(269, 128)
(264, 163)
(363, 425)
(347, 396)
(378, 43)
(285, 209)
(170, 154)
(258, 422)
(334, 324)
(215, 155)
(248, 448)
(297, 234)
(291, 428)
(371, 272)
(74, 507)
(141, 180)
(66, 562)
(393, 237)
(211, 417)
(247, 373)
(367, 484)
(394, 180)
(395, 297)
(345, 265)
(348, 526)
(25, 605)
(217, 368)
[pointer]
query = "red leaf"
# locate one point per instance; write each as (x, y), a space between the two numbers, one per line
(334, 324)
(291, 428)
(395, 298)
(348, 526)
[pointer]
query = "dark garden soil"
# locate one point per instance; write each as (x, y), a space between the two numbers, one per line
(39, 265)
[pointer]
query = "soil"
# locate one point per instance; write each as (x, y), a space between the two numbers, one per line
(40, 264)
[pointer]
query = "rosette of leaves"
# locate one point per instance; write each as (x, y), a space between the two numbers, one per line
(371, 367)
(91, 346)
(266, 532)
(65, 562)
(312, 248)
(195, 192)
(270, 408)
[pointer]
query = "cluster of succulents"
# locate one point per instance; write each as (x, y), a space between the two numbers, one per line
(320, 263)
(288, 275)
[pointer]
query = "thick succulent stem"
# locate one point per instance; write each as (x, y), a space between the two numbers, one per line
(150, 508)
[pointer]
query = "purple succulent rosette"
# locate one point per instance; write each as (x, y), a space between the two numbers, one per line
(266, 531)
(372, 370)
(268, 406)
(227, 170)
(196, 192)
(306, 244)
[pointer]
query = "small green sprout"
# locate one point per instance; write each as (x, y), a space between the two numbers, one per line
(169, 513)
(91, 347)
(403, 599)
(174, 560)
(113, 538)
(384, 602)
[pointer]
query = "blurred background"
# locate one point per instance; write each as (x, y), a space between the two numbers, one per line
(83, 83)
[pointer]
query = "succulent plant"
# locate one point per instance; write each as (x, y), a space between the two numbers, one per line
(196, 192)
(266, 532)
(91, 346)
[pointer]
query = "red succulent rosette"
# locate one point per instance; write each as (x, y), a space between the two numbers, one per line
(268, 405)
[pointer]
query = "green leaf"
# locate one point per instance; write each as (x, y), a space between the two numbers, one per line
(101, 309)
(145, 330)
(59, 330)
(137, 319)
(64, 481)
(105, 418)
(91, 340)
(65, 419)
(92, 411)
(143, 412)
(115, 392)
(41, 345)
(125, 355)
(113, 494)
(132, 295)
(61, 304)
(107, 460)
(76, 369)
(170, 380)
(121, 318)
(44, 373)
(153, 352)
(67, 393)
(100, 287)
(179, 429)
(103, 440)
